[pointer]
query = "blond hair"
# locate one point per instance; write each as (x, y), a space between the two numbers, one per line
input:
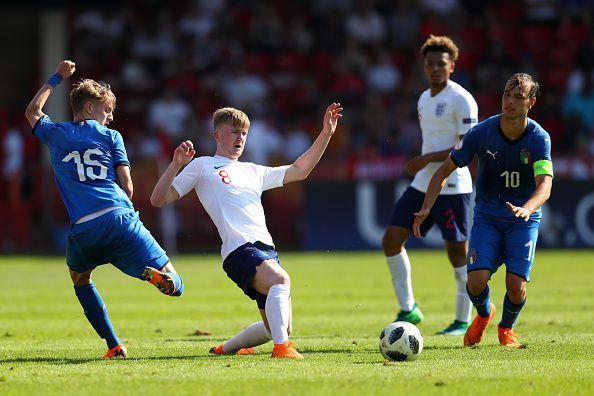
(231, 116)
(87, 89)
(440, 44)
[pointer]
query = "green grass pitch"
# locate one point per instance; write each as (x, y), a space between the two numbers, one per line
(341, 302)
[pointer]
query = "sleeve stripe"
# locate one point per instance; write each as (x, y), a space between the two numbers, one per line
(543, 167)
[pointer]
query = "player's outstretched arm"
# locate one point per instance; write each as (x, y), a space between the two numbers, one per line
(164, 193)
(34, 109)
(435, 185)
(303, 165)
(540, 195)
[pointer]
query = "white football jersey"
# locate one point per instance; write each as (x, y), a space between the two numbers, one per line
(230, 192)
(443, 119)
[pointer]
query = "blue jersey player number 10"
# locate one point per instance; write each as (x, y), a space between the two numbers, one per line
(514, 179)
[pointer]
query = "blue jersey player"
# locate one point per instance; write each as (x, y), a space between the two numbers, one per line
(514, 180)
(92, 173)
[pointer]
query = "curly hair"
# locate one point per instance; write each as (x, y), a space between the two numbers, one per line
(87, 89)
(230, 115)
(520, 79)
(440, 44)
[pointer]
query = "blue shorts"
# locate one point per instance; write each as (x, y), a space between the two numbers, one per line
(451, 213)
(240, 266)
(495, 241)
(117, 237)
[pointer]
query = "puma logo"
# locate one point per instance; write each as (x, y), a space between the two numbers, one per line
(491, 153)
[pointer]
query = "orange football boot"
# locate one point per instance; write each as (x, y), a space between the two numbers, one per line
(285, 351)
(243, 351)
(508, 338)
(476, 330)
(161, 280)
(118, 351)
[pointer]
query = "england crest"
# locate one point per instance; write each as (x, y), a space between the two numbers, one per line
(440, 109)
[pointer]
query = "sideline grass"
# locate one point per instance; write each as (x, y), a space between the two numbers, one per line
(341, 302)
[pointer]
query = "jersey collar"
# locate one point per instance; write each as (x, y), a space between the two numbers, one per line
(508, 140)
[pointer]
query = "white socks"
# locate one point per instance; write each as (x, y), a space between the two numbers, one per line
(400, 269)
(463, 304)
(278, 312)
(253, 335)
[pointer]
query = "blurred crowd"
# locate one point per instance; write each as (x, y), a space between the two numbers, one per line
(171, 64)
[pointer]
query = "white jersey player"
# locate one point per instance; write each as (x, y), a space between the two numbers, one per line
(446, 112)
(230, 191)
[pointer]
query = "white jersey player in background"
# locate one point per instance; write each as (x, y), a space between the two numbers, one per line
(446, 112)
(230, 192)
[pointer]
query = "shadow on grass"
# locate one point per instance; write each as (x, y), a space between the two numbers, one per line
(47, 360)
(69, 361)
(444, 347)
(326, 350)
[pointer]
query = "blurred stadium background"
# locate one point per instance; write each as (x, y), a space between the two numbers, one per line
(172, 63)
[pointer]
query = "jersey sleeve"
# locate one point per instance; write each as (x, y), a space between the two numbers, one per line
(188, 178)
(466, 113)
(41, 128)
(120, 157)
(541, 152)
(465, 150)
(271, 177)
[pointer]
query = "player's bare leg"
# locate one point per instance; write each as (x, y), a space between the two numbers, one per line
(399, 264)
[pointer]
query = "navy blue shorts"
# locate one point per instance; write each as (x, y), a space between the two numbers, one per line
(451, 213)
(240, 266)
(497, 241)
(116, 237)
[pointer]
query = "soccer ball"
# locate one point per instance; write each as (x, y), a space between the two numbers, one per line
(401, 341)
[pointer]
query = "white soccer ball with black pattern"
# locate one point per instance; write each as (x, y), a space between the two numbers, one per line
(401, 341)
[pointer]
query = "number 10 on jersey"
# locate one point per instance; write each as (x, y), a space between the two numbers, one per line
(512, 179)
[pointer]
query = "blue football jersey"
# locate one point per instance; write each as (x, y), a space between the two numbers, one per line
(505, 167)
(84, 156)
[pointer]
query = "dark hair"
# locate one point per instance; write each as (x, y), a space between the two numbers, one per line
(440, 44)
(519, 79)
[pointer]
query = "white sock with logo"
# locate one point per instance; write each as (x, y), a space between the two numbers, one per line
(463, 304)
(278, 310)
(399, 266)
(253, 335)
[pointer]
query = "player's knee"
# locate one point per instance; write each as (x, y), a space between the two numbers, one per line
(475, 286)
(516, 293)
(276, 274)
(80, 279)
(391, 245)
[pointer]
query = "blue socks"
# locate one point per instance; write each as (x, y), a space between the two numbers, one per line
(482, 302)
(96, 313)
(510, 312)
(179, 284)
